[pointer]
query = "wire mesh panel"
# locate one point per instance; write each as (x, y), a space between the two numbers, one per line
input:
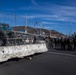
(13, 30)
(11, 19)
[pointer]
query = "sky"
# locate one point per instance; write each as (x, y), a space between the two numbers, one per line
(57, 15)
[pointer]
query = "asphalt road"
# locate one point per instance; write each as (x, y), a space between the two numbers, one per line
(49, 63)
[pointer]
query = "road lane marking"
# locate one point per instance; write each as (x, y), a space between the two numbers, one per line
(61, 54)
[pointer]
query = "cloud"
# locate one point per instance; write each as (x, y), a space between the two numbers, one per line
(65, 13)
(35, 3)
(51, 26)
(61, 13)
(48, 23)
(53, 15)
(48, 27)
(53, 12)
(28, 17)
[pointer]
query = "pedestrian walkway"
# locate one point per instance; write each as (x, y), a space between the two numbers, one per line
(62, 51)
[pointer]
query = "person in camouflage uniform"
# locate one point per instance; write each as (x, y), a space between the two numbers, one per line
(74, 42)
(48, 42)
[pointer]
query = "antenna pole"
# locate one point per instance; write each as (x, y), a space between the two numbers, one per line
(15, 27)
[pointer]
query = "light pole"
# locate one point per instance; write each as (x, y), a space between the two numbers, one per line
(70, 30)
(41, 28)
(26, 26)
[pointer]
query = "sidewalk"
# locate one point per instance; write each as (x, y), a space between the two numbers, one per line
(62, 51)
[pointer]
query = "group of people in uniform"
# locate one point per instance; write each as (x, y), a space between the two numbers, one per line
(64, 43)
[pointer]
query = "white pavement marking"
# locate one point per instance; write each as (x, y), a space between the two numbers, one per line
(62, 54)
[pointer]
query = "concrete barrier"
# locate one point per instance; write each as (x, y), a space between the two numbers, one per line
(20, 51)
